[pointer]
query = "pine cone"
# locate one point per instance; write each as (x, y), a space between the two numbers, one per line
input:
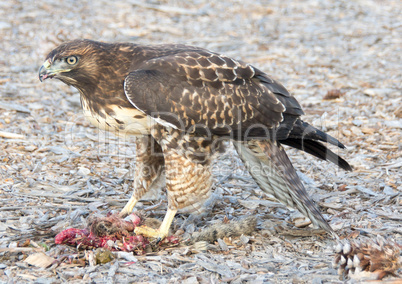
(371, 260)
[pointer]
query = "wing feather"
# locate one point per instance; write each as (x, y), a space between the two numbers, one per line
(212, 91)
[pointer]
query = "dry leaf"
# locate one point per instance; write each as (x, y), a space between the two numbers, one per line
(333, 94)
(40, 260)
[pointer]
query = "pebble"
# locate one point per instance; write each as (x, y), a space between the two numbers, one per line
(83, 171)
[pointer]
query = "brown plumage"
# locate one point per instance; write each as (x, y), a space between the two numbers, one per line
(182, 101)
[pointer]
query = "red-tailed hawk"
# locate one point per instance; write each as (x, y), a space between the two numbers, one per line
(182, 102)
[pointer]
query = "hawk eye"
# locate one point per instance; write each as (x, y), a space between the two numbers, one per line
(72, 60)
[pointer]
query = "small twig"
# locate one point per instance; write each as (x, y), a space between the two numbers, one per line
(21, 249)
(12, 208)
(10, 135)
(164, 8)
(13, 106)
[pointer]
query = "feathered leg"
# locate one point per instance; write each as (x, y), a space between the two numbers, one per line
(271, 168)
(188, 176)
(148, 170)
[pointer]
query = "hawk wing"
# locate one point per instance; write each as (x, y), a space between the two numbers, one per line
(197, 89)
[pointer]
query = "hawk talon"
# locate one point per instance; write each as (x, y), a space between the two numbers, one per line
(151, 233)
(163, 230)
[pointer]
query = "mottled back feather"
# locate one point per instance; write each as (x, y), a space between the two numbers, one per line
(206, 90)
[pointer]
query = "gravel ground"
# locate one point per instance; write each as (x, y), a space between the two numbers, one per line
(56, 169)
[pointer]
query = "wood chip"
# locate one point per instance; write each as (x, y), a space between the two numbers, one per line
(222, 245)
(301, 223)
(13, 106)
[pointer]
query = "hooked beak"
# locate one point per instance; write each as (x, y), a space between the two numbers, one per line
(45, 71)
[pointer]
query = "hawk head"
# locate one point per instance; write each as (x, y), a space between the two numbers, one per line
(75, 63)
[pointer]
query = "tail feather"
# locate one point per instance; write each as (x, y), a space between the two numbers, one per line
(303, 130)
(318, 150)
(271, 168)
(305, 137)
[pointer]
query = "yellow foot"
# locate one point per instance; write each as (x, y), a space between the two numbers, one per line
(163, 230)
(151, 232)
